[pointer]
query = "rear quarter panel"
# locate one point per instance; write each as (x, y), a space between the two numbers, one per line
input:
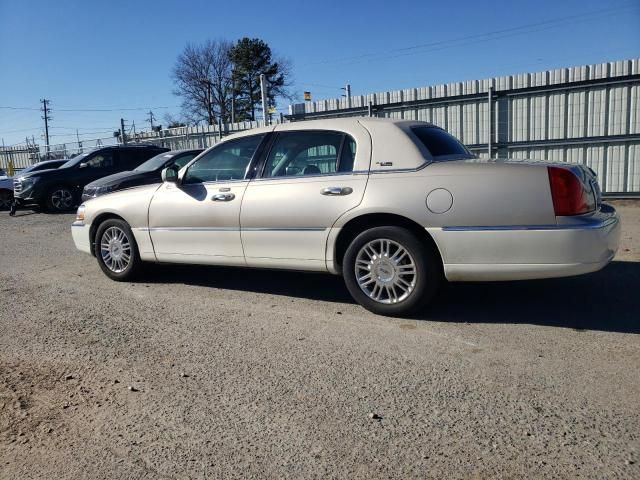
(484, 194)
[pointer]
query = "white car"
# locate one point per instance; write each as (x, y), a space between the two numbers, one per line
(392, 206)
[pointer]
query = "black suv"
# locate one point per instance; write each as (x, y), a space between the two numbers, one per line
(59, 190)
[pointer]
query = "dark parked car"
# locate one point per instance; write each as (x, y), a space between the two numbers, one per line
(6, 183)
(59, 190)
(145, 174)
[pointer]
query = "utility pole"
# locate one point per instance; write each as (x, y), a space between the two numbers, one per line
(79, 142)
(489, 120)
(233, 99)
(133, 126)
(347, 93)
(123, 135)
(263, 91)
(46, 118)
(151, 119)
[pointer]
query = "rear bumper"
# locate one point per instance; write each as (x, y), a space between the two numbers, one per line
(573, 246)
(80, 234)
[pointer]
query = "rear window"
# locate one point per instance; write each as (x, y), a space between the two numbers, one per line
(440, 144)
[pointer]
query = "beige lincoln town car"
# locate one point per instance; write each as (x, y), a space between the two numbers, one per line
(393, 206)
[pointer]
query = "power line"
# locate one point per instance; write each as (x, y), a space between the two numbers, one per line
(88, 109)
(480, 37)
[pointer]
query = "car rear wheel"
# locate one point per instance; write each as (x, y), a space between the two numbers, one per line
(389, 271)
(6, 199)
(60, 199)
(116, 250)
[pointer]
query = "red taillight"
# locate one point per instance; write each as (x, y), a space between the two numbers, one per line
(569, 196)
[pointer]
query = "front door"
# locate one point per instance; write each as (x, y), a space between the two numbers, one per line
(307, 182)
(198, 220)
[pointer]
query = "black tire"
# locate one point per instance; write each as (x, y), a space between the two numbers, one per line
(425, 279)
(60, 199)
(6, 199)
(134, 263)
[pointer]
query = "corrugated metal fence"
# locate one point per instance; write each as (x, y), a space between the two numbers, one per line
(588, 114)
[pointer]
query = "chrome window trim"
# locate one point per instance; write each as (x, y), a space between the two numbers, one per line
(402, 170)
(316, 175)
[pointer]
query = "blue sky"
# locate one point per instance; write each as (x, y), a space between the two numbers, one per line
(119, 54)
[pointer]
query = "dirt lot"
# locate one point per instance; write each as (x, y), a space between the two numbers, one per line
(253, 374)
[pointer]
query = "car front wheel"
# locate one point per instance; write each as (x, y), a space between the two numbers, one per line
(60, 199)
(116, 250)
(389, 271)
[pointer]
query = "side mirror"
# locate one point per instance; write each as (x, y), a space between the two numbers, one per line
(170, 174)
(82, 165)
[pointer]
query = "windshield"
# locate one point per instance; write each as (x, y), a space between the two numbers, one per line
(441, 145)
(155, 163)
(72, 162)
(41, 166)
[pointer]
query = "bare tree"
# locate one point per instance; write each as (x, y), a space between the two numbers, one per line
(172, 121)
(202, 76)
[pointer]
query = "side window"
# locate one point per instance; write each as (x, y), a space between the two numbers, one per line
(309, 153)
(183, 160)
(101, 160)
(132, 158)
(228, 161)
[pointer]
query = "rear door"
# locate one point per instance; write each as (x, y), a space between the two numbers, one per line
(308, 179)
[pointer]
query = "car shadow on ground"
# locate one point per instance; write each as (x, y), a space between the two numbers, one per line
(608, 300)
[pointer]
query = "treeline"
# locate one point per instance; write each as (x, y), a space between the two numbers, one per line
(220, 80)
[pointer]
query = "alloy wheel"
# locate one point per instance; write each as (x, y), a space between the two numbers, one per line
(62, 199)
(385, 271)
(115, 249)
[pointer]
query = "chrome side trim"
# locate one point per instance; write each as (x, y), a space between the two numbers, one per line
(78, 224)
(283, 229)
(189, 229)
(232, 229)
(592, 225)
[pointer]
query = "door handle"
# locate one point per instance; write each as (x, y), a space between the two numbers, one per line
(335, 191)
(223, 197)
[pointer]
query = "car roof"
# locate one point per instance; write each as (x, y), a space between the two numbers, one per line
(185, 150)
(330, 123)
(131, 145)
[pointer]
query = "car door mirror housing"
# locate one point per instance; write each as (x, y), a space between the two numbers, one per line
(170, 174)
(83, 165)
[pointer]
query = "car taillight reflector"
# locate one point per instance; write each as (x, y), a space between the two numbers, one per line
(570, 196)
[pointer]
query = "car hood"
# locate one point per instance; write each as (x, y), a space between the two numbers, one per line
(51, 173)
(118, 178)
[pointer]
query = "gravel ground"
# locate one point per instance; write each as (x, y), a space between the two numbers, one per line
(198, 372)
